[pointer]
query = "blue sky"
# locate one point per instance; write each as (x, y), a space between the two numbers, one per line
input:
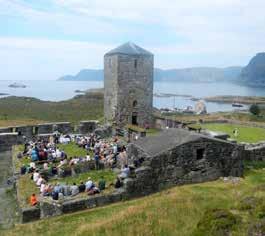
(45, 39)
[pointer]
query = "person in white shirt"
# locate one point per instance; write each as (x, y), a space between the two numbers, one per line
(89, 184)
(42, 188)
(45, 166)
(32, 165)
(36, 176)
(40, 181)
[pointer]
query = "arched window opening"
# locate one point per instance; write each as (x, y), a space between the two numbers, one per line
(134, 103)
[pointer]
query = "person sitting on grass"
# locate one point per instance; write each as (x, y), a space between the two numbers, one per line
(34, 155)
(118, 183)
(36, 176)
(33, 200)
(82, 187)
(74, 190)
(89, 184)
(40, 181)
(101, 184)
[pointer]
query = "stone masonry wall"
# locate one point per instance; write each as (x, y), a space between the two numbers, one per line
(255, 152)
(89, 126)
(180, 166)
(7, 140)
(128, 89)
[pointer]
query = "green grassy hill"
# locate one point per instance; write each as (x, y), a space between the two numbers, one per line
(245, 133)
(31, 110)
(184, 210)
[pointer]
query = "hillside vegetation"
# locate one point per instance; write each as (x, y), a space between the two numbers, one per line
(213, 208)
(24, 110)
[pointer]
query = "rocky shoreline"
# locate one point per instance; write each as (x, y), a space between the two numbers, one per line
(232, 99)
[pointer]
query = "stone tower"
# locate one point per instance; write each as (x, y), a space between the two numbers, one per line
(128, 86)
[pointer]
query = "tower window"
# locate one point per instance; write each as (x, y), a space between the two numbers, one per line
(109, 62)
(135, 64)
(200, 153)
(134, 103)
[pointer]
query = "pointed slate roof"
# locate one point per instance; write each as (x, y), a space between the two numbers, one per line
(129, 49)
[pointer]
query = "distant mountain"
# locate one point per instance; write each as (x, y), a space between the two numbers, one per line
(254, 72)
(86, 74)
(198, 74)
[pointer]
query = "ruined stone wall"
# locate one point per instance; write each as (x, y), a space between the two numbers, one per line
(49, 208)
(181, 166)
(7, 140)
(255, 152)
(6, 130)
(128, 89)
(89, 126)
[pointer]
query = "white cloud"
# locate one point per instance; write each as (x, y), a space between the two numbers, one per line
(224, 32)
(47, 59)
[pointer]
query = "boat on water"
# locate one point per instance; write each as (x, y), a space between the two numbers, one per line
(236, 104)
(17, 85)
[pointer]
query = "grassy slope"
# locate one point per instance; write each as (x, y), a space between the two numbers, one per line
(171, 212)
(246, 134)
(238, 116)
(19, 110)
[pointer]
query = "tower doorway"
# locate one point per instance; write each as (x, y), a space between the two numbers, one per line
(134, 118)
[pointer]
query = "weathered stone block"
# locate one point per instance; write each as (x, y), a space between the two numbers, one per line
(74, 205)
(30, 214)
(50, 208)
(102, 200)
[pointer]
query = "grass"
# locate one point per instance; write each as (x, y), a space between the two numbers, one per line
(23, 110)
(238, 116)
(176, 211)
(72, 150)
(95, 175)
(246, 133)
(25, 187)
(17, 163)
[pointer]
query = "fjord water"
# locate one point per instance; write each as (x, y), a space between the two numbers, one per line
(61, 90)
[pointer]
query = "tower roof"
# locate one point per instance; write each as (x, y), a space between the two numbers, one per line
(129, 49)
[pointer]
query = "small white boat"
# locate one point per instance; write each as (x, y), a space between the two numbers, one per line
(236, 104)
(17, 85)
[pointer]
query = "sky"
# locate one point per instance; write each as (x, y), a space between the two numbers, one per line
(46, 39)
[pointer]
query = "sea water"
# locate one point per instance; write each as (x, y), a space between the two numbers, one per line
(61, 90)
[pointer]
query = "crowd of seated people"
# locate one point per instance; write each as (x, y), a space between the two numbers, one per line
(59, 191)
(45, 155)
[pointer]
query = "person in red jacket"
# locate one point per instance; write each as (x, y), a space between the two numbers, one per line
(33, 200)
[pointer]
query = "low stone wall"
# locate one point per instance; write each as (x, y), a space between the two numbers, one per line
(255, 152)
(89, 126)
(104, 132)
(49, 208)
(25, 131)
(6, 130)
(29, 131)
(45, 128)
(30, 214)
(8, 139)
(63, 127)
